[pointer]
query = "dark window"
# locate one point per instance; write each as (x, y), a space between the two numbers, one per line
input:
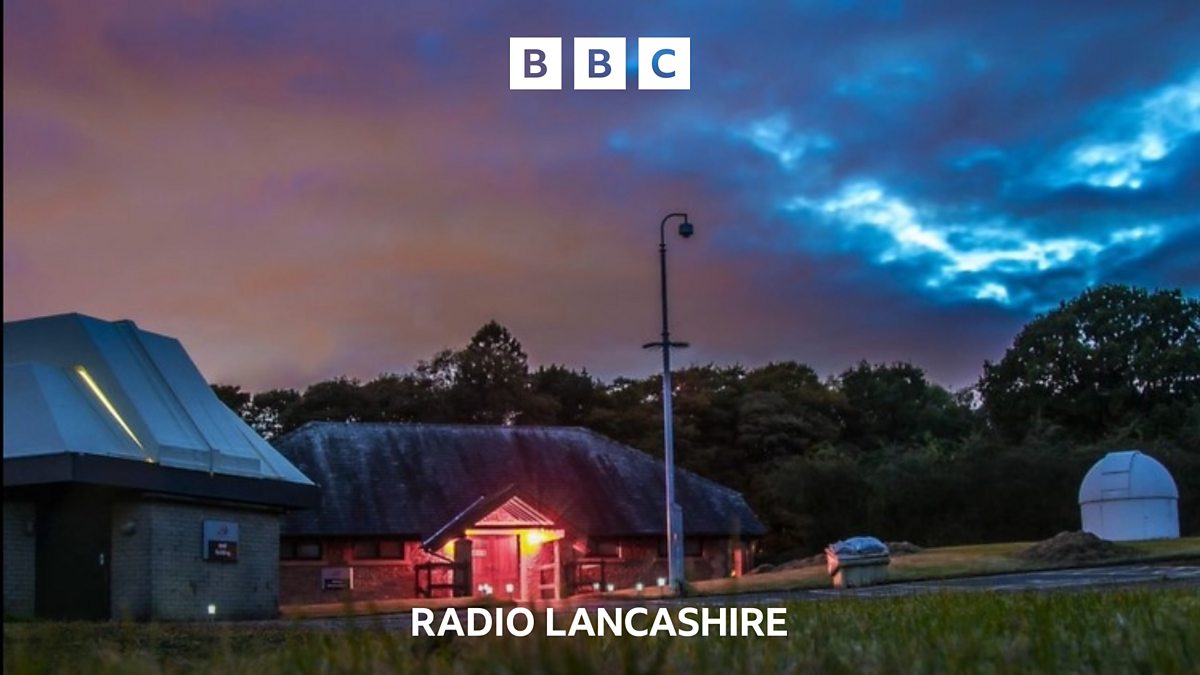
(379, 549)
(692, 548)
(308, 550)
(299, 550)
(604, 548)
(393, 549)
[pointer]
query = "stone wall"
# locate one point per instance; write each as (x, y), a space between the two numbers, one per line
(19, 551)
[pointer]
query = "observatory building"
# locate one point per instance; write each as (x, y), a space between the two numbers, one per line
(130, 490)
(1128, 496)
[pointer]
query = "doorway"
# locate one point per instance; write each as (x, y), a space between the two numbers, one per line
(496, 561)
(73, 557)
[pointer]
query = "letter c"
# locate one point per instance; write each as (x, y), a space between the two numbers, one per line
(654, 63)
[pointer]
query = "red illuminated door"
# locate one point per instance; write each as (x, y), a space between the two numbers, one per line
(496, 561)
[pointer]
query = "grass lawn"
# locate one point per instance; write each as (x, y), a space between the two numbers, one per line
(1115, 631)
(331, 609)
(941, 563)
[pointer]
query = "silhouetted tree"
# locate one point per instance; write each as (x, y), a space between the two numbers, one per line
(232, 396)
(1113, 357)
(491, 377)
(894, 405)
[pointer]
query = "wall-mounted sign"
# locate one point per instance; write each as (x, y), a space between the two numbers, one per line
(220, 541)
(337, 578)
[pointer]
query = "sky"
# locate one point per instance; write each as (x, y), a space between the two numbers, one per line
(299, 190)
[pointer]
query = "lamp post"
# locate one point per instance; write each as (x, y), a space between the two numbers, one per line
(674, 513)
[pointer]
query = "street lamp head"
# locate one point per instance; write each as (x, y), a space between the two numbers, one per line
(686, 229)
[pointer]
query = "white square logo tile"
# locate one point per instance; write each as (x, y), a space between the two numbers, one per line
(664, 63)
(600, 63)
(535, 63)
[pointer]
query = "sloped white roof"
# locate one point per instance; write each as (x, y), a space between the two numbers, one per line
(1130, 474)
(77, 384)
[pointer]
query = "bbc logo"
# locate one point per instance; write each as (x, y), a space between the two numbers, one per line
(599, 63)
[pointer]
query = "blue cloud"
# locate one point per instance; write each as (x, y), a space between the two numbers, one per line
(1135, 143)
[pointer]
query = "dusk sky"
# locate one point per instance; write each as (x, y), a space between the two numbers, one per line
(299, 190)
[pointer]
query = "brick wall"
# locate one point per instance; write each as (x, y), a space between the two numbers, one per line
(300, 580)
(639, 561)
(19, 570)
(130, 573)
(159, 572)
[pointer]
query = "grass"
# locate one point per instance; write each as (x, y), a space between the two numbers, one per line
(944, 563)
(1151, 630)
(367, 608)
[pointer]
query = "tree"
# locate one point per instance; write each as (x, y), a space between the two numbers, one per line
(405, 398)
(786, 410)
(1115, 357)
(896, 406)
(270, 412)
(561, 396)
(232, 396)
(338, 400)
(491, 377)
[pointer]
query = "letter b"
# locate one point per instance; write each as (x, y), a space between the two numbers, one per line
(535, 63)
(535, 60)
(598, 59)
(599, 63)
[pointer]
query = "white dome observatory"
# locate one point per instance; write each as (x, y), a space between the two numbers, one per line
(1128, 496)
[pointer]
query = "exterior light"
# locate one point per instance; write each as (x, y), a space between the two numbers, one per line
(212, 610)
(508, 588)
(108, 406)
(610, 588)
(639, 587)
(662, 582)
(674, 520)
(595, 585)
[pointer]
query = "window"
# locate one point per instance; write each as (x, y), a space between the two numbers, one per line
(692, 548)
(604, 548)
(300, 550)
(379, 549)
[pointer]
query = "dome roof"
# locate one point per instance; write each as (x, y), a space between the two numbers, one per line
(1130, 474)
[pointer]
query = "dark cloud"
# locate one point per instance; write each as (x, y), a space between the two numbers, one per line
(302, 189)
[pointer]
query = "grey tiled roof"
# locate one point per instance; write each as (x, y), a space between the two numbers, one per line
(411, 479)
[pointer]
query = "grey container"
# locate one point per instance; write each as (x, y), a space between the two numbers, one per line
(857, 561)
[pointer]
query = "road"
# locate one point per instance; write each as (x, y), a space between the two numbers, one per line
(1078, 578)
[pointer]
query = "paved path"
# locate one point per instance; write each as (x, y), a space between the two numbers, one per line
(1123, 575)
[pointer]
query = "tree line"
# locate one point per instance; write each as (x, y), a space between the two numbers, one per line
(876, 449)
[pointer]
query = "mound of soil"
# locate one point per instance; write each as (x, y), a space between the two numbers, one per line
(1075, 547)
(903, 548)
(810, 561)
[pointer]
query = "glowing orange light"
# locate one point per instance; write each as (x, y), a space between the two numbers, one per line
(532, 539)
